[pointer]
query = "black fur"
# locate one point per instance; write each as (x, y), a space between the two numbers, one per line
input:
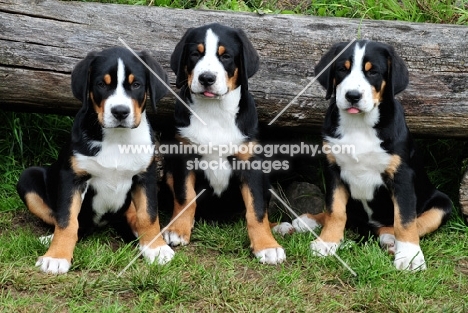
(410, 185)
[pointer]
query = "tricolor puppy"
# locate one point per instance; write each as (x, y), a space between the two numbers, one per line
(213, 64)
(380, 184)
(93, 181)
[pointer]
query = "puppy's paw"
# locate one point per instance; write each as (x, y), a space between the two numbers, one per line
(304, 224)
(321, 248)
(174, 239)
(162, 254)
(283, 229)
(409, 256)
(387, 243)
(271, 255)
(52, 265)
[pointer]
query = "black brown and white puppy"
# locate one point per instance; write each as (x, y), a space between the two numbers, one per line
(92, 180)
(213, 64)
(380, 184)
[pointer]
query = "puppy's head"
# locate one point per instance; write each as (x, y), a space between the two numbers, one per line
(362, 76)
(213, 60)
(114, 83)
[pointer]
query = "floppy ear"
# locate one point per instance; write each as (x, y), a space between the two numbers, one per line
(397, 72)
(249, 60)
(179, 60)
(326, 79)
(156, 88)
(80, 77)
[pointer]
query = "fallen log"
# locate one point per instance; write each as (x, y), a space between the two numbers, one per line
(41, 41)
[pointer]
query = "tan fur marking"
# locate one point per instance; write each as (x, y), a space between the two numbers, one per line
(330, 157)
(137, 109)
(201, 48)
(76, 168)
(232, 81)
(260, 234)
(65, 239)
(377, 96)
(131, 78)
(221, 50)
(38, 207)
(184, 223)
(393, 166)
(146, 229)
(319, 218)
(334, 221)
(99, 108)
(249, 148)
(347, 64)
(107, 79)
(189, 78)
(367, 66)
(404, 233)
(429, 221)
(385, 230)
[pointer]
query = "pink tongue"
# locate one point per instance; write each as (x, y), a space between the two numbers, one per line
(353, 110)
(208, 94)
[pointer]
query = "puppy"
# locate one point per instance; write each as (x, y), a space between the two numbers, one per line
(93, 180)
(380, 183)
(213, 64)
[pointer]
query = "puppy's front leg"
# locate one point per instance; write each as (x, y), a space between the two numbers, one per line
(144, 221)
(57, 259)
(181, 228)
(262, 242)
(334, 221)
(408, 253)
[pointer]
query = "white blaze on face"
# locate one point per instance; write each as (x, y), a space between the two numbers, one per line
(210, 63)
(119, 98)
(357, 82)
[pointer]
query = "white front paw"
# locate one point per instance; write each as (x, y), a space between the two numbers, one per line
(283, 229)
(174, 239)
(271, 255)
(387, 242)
(162, 254)
(408, 256)
(322, 248)
(304, 224)
(53, 265)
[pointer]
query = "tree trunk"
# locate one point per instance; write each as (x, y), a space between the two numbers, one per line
(41, 41)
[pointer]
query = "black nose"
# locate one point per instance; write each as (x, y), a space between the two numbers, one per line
(353, 96)
(207, 79)
(120, 112)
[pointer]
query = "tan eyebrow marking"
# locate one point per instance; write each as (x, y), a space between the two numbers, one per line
(201, 48)
(107, 79)
(221, 50)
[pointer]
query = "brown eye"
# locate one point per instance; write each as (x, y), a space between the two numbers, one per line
(136, 85)
(101, 85)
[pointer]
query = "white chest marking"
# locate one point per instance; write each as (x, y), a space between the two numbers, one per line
(112, 169)
(220, 129)
(363, 164)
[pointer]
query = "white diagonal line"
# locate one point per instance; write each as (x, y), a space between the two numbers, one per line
(162, 81)
(312, 231)
(161, 232)
(311, 82)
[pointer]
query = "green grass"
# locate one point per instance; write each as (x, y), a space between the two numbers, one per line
(216, 272)
(433, 11)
